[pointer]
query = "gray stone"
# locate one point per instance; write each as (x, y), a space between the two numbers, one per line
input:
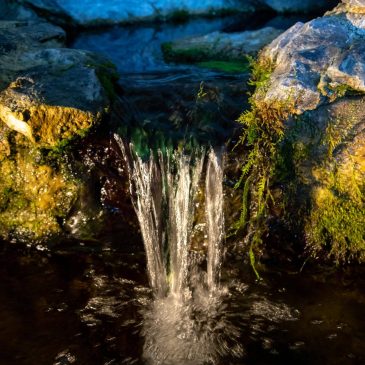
(51, 9)
(40, 83)
(18, 37)
(9, 10)
(225, 46)
(313, 60)
(97, 12)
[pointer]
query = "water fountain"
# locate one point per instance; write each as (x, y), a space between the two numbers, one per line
(183, 324)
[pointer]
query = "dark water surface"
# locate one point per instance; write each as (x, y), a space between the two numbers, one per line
(83, 305)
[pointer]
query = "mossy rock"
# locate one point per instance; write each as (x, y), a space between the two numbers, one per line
(317, 162)
(49, 100)
(35, 197)
(327, 160)
(304, 138)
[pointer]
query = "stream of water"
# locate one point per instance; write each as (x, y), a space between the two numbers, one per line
(184, 323)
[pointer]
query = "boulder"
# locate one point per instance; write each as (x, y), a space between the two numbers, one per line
(49, 9)
(307, 120)
(315, 61)
(91, 12)
(328, 161)
(220, 46)
(49, 97)
(10, 10)
(37, 100)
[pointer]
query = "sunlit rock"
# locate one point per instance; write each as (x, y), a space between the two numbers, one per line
(315, 60)
(37, 100)
(49, 98)
(310, 90)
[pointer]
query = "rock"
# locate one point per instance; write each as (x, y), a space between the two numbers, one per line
(308, 120)
(19, 36)
(49, 9)
(91, 12)
(353, 10)
(220, 46)
(42, 80)
(9, 10)
(300, 6)
(314, 60)
(40, 97)
(35, 196)
(49, 96)
(329, 165)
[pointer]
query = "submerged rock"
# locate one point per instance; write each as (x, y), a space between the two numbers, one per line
(307, 124)
(49, 96)
(220, 46)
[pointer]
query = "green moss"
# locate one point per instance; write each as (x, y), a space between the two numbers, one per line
(108, 81)
(263, 130)
(318, 165)
(336, 225)
(336, 91)
(226, 66)
(324, 188)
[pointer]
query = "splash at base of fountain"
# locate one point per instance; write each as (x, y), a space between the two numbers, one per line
(191, 328)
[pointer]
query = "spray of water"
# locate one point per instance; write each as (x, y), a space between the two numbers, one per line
(185, 324)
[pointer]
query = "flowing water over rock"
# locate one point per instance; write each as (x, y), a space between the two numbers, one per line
(185, 323)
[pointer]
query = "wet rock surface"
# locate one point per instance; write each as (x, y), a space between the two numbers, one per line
(315, 85)
(220, 46)
(11, 10)
(94, 13)
(50, 96)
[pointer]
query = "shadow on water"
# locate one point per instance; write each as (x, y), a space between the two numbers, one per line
(88, 306)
